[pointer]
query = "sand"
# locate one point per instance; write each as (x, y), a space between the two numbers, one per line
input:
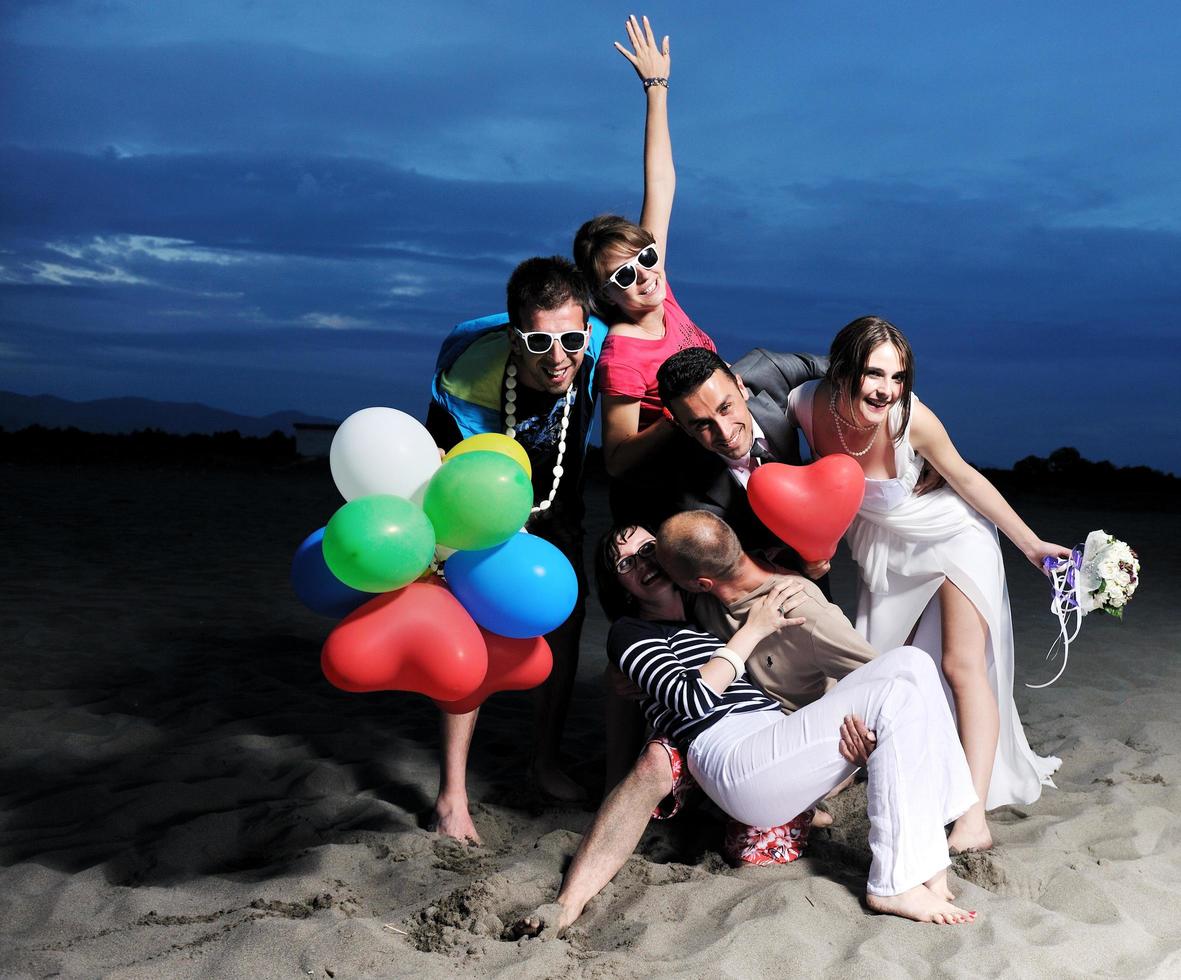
(183, 795)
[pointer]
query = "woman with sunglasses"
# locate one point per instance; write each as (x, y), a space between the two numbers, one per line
(624, 264)
(763, 767)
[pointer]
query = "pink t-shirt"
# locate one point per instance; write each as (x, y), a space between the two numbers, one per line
(627, 365)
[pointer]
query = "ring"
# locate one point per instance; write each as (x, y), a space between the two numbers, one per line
(782, 613)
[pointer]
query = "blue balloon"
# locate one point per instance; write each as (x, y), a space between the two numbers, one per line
(316, 586)
(522, 588)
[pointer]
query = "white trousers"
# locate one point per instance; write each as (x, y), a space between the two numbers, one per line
(765, 767)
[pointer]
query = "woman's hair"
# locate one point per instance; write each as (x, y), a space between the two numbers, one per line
(593, 240)
(613, 597)
(849, 355)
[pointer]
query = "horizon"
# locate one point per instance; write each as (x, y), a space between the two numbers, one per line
(265, 208)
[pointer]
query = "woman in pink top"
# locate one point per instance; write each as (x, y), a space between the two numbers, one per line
(624, 264)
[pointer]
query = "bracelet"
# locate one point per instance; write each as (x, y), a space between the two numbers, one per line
(735, 661)
(649, 82)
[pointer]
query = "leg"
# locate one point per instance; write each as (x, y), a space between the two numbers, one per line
(552, 701)
(965, 640)
(452, 818)
(763, 769)
(608, 842)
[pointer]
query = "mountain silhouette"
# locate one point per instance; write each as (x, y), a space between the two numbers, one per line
(115, 415)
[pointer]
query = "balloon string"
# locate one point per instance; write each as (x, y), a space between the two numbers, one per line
(1063, 605)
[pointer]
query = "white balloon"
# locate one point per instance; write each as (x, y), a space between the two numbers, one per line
(382, 450)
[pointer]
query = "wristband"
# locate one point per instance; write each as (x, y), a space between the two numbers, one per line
(735, 661)
(649, 82)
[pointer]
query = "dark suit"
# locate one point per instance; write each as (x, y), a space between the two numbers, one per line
(702, 480)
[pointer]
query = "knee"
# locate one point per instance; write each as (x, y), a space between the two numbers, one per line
(653, 772)
(962, 666)
(914, 661)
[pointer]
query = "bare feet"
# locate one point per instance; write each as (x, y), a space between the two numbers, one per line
(970, 832)
(922, 905)
(556, 785)
(547, 920)
(453, 820)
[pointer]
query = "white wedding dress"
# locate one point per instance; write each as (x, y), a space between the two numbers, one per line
(905, 547)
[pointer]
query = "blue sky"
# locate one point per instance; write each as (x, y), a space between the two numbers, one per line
(268, 205)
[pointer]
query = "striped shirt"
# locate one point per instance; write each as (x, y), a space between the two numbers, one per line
(664, 659)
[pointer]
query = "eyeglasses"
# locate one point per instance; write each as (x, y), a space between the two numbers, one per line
(628, 562)
(626, 275)
(540, 342)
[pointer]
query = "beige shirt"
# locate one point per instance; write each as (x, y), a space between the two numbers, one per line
(797, 664)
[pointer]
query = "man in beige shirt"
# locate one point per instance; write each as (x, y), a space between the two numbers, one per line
(795, 666)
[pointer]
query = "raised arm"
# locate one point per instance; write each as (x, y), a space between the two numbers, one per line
(930, 439)
(660, 179)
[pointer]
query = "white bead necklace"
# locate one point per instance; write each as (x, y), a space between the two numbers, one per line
(840, 423)
(510, 430)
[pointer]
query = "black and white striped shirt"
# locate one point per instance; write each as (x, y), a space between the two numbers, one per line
(664, 659)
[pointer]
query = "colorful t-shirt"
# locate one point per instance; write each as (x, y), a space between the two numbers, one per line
(628, 365)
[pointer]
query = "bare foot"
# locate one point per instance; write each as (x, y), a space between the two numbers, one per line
(547, 920)
(938, 886)
(970, 832)
(453, 820)
(821, 818)
(922, 905)
(557, 786)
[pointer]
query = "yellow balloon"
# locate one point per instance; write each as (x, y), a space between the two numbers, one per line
(493, 442)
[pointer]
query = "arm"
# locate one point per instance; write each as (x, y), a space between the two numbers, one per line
(624, 446)
(660, 178)
(930, 440)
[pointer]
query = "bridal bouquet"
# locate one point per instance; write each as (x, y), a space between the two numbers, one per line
(1101, 574)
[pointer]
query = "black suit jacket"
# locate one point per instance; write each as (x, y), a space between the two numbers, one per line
(702, 480)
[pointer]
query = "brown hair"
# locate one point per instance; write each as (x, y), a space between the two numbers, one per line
(849, 355)
(592, 241)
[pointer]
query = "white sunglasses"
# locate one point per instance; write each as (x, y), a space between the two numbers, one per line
(626, 275)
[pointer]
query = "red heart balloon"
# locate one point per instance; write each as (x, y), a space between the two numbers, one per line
(513, 665)
(808, 507)
(416, 639)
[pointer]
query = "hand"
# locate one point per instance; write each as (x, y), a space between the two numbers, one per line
(1041, 550)
(817, 569)
(857, 741)
(767, 616)
(648, 60)
(929, 479)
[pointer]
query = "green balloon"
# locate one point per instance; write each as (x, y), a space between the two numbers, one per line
(378, 543)
(478, 500)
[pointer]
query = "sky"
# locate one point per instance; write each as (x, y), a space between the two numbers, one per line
(285, 205)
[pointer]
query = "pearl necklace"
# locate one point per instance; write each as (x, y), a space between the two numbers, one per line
(836, 417)
(510, 430)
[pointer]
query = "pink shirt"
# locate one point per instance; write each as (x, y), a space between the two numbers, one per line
(627, 365)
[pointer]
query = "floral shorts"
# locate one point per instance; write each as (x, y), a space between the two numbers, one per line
(683, 781)
(767, 845)
(743, 844)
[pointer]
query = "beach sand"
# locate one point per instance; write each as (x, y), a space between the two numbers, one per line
(184, 795)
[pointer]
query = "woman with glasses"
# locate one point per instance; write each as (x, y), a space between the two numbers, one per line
(763, 767)
(624, 264)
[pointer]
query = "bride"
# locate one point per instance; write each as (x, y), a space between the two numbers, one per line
(931, 567)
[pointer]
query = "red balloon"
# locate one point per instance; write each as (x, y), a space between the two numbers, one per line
(416, 639)
(513, 665)
(808, 507)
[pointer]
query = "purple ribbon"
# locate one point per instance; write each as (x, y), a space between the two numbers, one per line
(1074, 563)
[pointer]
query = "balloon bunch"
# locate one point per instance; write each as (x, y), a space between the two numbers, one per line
(405, 511)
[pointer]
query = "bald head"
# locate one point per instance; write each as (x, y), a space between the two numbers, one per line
(697, 544)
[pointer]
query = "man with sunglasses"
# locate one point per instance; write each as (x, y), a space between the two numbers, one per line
(528, 374)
